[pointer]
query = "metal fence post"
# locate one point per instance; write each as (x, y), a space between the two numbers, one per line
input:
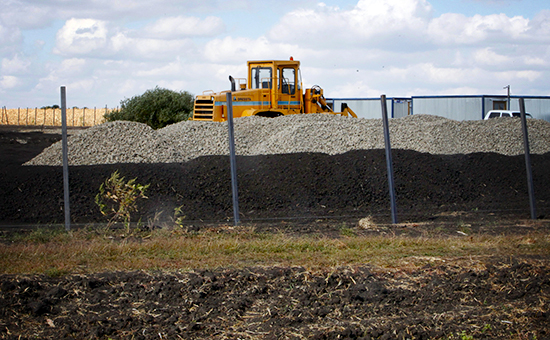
(232, 158)
(389, 163)
(65, 159)
(530, 187)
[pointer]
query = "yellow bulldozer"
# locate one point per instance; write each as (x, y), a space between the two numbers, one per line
(273, 88)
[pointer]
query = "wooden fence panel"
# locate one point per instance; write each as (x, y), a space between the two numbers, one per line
(52, 117)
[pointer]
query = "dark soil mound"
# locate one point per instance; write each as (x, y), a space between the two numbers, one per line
(17, 148)
(304, 185)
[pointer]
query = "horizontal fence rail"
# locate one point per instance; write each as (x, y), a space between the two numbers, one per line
(76, 117)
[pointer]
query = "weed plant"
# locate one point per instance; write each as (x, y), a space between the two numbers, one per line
(118, 198)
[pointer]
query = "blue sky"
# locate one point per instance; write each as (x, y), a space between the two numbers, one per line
(106, 51)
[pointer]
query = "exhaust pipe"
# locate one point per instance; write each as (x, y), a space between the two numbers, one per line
(233, 87)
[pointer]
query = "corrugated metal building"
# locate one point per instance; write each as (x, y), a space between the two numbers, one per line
(463, 107)
(372, 108)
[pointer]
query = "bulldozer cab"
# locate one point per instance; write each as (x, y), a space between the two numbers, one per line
(279, 81)
(265, 74)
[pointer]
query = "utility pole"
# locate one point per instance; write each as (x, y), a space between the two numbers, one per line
(508, 87)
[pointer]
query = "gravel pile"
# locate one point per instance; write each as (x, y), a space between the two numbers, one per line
(130, 142)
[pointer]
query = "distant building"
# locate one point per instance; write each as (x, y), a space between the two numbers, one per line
(473, 107)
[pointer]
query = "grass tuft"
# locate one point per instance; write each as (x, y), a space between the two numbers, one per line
(56, 253)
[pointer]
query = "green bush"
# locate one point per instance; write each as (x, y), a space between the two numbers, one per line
(157, 108)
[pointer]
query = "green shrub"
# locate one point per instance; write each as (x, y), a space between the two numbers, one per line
(157, 108)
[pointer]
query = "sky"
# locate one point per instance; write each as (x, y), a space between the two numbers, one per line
(105, 51)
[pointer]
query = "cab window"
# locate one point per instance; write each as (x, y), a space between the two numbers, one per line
(261, 77)
(288, 80)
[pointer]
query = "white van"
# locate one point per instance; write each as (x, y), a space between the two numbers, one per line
(504, 113)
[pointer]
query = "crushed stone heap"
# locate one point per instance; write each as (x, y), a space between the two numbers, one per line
(130, 142)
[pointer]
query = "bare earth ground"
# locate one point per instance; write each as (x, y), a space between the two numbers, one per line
(489, 300)
(462, 298)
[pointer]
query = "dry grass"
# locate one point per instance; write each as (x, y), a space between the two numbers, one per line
(52, 117)
(92, 251)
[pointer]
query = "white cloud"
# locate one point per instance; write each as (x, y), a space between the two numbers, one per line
(462, 90)
(453, 28)
(71, 66)
(539, 27)
(9, 36)
(428, 72)
(514, 76)
(155, 49)
(30, 14)
(529, 75)
(67, 72)
(180, 26)
(93, 39)
(15, 65)
(25, 15)
(404, 24)
(162, 71)
(488, 57)
(239, 50)
(371, 21)
(81, 36)
(8, 82)
(392, 15)
(535, 61)
(81, 85)
(120, 42)
(356, 89)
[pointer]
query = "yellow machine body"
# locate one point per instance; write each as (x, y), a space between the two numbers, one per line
(273, 88)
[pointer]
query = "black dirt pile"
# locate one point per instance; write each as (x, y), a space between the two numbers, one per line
(292, 185)
(297, 185)
(18, 147)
